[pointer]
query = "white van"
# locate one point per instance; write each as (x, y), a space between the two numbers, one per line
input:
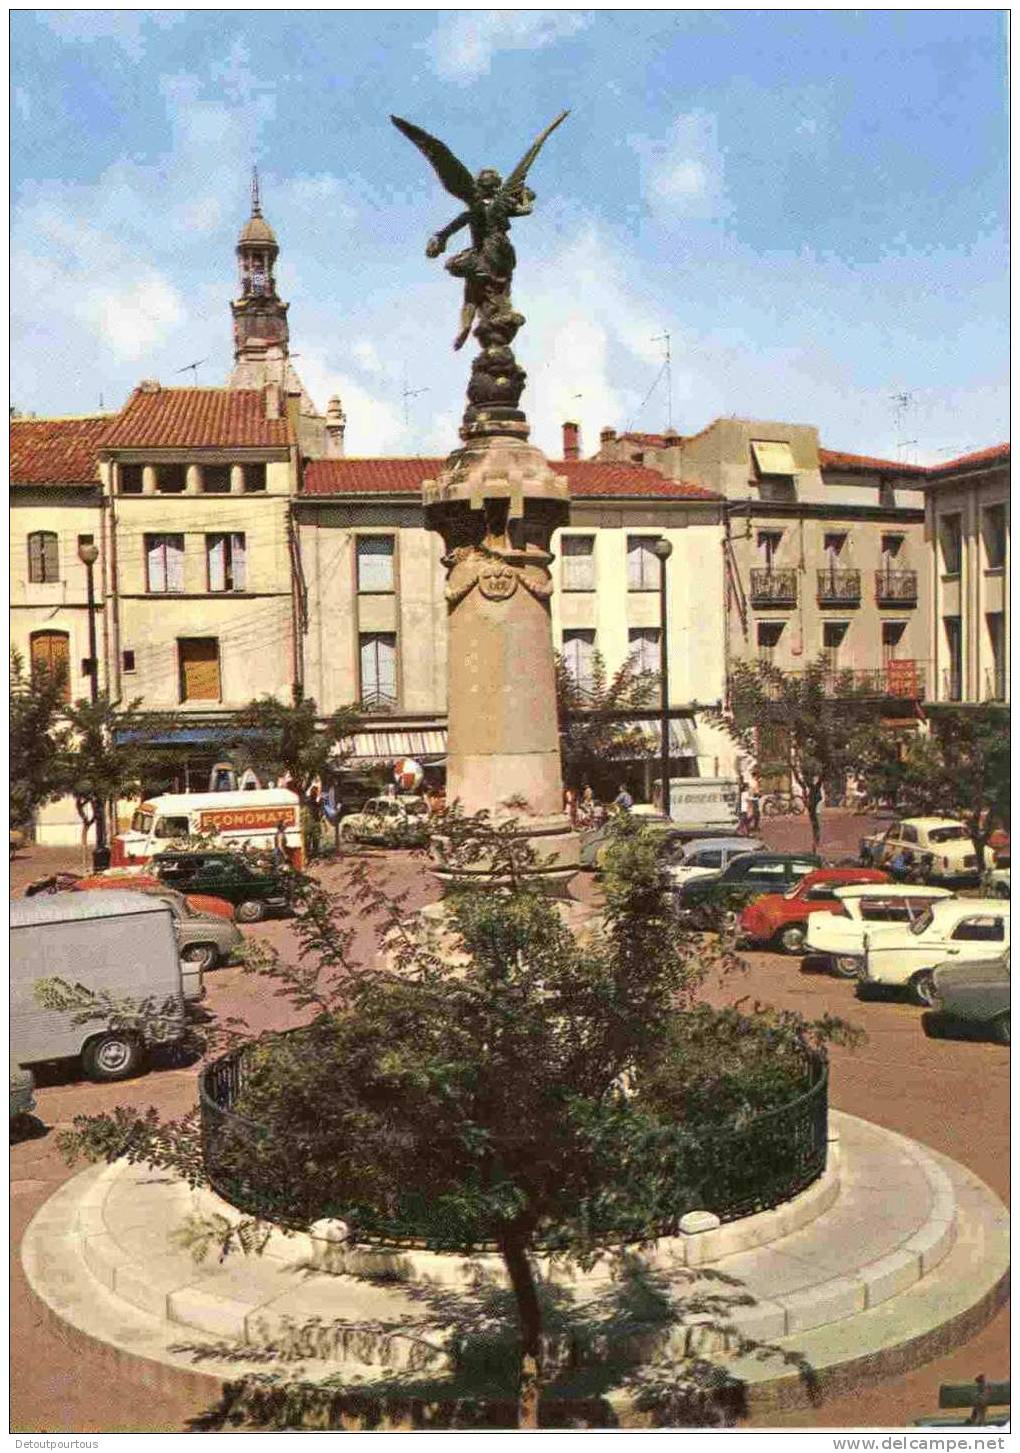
(116, 941)
(235, 819)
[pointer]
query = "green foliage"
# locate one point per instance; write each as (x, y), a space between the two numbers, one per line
(37, 741)
(106, 751)
(289, 739)
(593, 738)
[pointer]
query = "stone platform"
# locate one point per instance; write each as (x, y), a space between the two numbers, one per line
(894, 1256)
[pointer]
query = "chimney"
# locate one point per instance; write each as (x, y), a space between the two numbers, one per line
(336, 423)
(671, 439)
(149, 386)
(607, 438)
(272, 401)
(571, 441)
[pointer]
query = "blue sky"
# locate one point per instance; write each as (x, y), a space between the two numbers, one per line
(812, 204)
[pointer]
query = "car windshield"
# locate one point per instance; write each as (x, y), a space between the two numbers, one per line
(142, 822)
(416, 809)
(920, 924)
(947, 834)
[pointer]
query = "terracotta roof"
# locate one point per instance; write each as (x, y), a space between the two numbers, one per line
(996, 454)
(594, 479)
(190, 418)
(650, 441)
(864, 464)
(57, 451)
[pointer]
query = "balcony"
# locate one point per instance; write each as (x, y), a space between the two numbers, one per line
(377, 702)
(952, 683)
(773, 587)
(896, 587)
(995, 683)
(839, 587)
(904, 680)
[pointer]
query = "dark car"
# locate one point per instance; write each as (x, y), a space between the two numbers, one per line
(254, 891)
(745, 878)
(976, 993)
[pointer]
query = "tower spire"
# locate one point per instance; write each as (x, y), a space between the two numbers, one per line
(256, 200)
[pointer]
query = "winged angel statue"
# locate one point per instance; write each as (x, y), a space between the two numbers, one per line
(486, 266)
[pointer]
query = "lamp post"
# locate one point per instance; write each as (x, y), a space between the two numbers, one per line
(663, 549)
(88, 554)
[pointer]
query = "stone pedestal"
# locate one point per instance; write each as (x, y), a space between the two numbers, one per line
(496, 505)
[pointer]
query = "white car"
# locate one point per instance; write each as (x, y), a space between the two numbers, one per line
(938, 847)
(392, 821)
(957, 929)
(839, 937)
(704, 857)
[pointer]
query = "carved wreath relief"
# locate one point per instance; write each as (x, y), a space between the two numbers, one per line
(496, 575)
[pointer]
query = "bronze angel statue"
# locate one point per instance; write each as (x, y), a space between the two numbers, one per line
(487, 265)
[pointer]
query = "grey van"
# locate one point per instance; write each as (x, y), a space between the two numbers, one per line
(121, 942)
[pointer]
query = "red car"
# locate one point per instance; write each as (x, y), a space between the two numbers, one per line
(200, 902)
(781, 918)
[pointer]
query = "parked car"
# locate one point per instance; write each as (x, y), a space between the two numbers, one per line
(391, 821)
(839, 937)
(782, 918)
(595, 841)
(955, 928)
(996, 880)
(205, 940)
(137, 882)
(22, 1090)
(228, 875)
(704, 855)
(746, 877)
(937, 848)
(120, 942)
(975, 993)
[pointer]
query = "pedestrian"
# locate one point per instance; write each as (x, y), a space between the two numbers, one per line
(570, 805)
(623, 799)
(754, 806)
(588, 810)
(280, 844)
(898, 865)
(743, 810)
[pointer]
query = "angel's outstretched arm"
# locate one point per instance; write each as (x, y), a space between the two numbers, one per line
(437, 243)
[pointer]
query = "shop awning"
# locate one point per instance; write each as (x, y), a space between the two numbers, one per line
(683, 740)
(208, 736)
(387, 745)
(773, 458)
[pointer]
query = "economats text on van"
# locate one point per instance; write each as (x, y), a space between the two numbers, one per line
(245, 818)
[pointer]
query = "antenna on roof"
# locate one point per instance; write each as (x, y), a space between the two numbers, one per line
(409, 393)
(194, 370)
(903, 402)
(664, 337)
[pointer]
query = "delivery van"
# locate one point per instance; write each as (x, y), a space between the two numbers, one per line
(120, 942)
(230, 819)
(701, 805)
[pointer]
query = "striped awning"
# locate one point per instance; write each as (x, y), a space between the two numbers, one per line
(386, 745)
(683, 741)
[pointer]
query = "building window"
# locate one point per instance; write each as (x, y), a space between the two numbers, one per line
(43, 558)
(994, 529)
(642, 562)
(891, 547)
(768, 546)
(225, 560)
(769, 633)
(254, 478)
(50, 656)
(833, 545)
(951, 536)
(579, 658)
(892, 635)
(129, 661)
(378, 671)
(774, 469)
(164, 564)
(645, 655)
(199, 667)
(375, 564)
(952, 676)
(578, 552)
(995, 684)
(130, 479)
(171, 478)
(886, 495)
(216, 479)
(833, 636)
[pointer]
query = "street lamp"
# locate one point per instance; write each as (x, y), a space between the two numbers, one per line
(663, 549)
(88, 554)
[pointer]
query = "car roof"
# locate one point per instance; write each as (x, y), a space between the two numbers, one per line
(929, 822)
(702, 844)
(892, 890)
(966, 906)
(171, 803)
(65, 907)
(846, 875)
(783, 857)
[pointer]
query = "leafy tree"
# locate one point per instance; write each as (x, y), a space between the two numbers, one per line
(287, 739)
(816, 714)
(594, 732)
(37, 739)
(495, 1079)
(960, 768)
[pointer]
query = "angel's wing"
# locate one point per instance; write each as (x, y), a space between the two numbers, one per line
(520, 171)
(453, 174)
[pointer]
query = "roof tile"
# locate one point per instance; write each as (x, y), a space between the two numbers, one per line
(590, 478)
(57, 451)
(864, 463)
(995, 454)
(194, 418)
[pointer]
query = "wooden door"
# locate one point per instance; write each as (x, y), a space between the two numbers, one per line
(51, 656)
(200, 668)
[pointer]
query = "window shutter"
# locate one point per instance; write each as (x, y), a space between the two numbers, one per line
(200, 669)
(175, 562)
(578, 562)
(216, 554)
(51, 562)
(35, 559)
(156, 562)
(375, 563)
(369, 674)
(387, 668)
(238, 561)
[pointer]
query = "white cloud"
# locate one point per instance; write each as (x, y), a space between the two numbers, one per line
(465, 41)
(682, 173)
(134, 318)
(123, 28)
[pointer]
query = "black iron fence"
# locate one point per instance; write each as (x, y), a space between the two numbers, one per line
(734, 1168)
(839, 587)
(896, 587)
(773, 587)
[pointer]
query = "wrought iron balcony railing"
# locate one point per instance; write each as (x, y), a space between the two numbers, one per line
(995, 683)
(839, 587)
(902, 679)
(896, 587)
(374, 702)
(952, 684)
(773, 587)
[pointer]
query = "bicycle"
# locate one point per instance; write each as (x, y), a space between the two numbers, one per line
(782, 804)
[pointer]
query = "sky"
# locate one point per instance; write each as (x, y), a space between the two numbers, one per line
(810, 204)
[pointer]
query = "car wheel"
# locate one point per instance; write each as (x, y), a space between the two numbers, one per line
(251, 911)
(845, 966)
(922, 988)
(200, 956)
(791, 940)
(1000, 1029)
(112, 1056)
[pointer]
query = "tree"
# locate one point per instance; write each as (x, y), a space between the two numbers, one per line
(817, 715)
(959, 768)
(37, 739)
(282, 738)
(594, 733)
(495, 1081)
